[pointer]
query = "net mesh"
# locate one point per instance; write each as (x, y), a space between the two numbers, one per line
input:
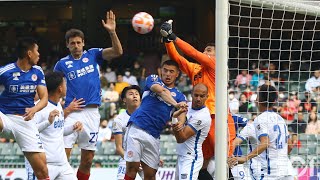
(277, 42)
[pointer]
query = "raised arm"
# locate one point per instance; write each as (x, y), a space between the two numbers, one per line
(164, 94)
(184, 64)
(110, 25)
(190, 51)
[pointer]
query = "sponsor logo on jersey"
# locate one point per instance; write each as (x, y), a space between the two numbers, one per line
(85, 70)
(69, 64)
(16, 75)
(34, 77)
(27, 88)
(85, 60)
(13, 88)
(71, 75)
(184, 176)
(199, 122)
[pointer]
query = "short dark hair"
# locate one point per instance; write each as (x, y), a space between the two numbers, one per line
(268, 95)
(126, 89)
(170, 63)
(53, 80)
(74, 33)
(24, 45)
(211, 44)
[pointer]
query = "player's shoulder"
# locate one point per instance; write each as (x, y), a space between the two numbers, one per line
(121, 117)
(63, 59)
(153, 77)
(91, 50)
(203, 114)
(7, 68)
(38, 68)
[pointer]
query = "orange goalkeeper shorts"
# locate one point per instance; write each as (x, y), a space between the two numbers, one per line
(209, 143)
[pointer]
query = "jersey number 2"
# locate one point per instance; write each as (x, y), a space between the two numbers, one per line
(280, 141)
(94, 137)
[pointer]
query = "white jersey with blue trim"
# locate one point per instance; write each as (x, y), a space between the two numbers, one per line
(20, 88)
(82, 76)
(154, 112)
(248, 134)
(119, 126)
(274, 160)
(52, 136)
(199, 120)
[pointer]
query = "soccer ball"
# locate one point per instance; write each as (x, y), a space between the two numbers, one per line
(142, 22)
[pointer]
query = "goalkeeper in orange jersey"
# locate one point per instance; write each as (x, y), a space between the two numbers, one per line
(204, 72)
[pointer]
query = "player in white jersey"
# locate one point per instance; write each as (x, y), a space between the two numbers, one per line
(131, 97)
(81, 68)
(50, 123)
(272, 134)
(248, 134)
(21, 81)
(192, 135)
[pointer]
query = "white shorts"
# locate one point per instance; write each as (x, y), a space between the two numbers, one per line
(239, 172)
(87, 138)
(141, 146)
(188, 167)
(24, 132)
(56, 172)
(122, 170)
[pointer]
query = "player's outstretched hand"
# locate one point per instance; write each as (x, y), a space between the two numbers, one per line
(110, 22)
(29, 114)
(166, 31)
(77, 126)
(179, 111)
(76, 105)
(181, 105)
(53, 114)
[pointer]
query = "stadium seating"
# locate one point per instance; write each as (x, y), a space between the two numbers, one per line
(11, 155)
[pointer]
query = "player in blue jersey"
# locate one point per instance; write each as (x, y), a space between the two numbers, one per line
(81, 69)
(22, 80)
(272, 134)
(159, 99)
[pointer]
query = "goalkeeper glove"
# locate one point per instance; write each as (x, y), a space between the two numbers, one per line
(166, 31)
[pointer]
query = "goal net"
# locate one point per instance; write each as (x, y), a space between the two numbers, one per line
(278, 42)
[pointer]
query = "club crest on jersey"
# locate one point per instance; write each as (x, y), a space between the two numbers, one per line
(69, 64)
(173, 94)
(16, 75)
(114, 125)
(85, 60)
(34, 77)
(130, 154)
